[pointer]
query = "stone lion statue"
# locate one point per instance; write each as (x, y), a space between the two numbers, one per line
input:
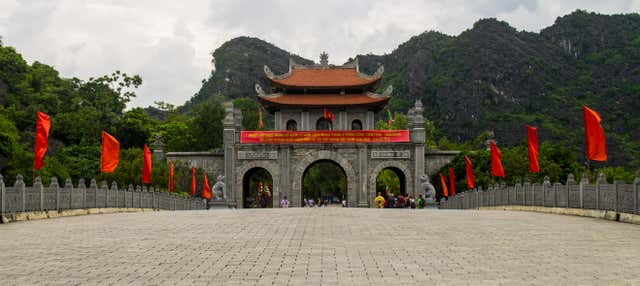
(428, 190)
(218, 189)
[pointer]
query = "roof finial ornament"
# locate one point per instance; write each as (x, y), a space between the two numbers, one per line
(324, 59)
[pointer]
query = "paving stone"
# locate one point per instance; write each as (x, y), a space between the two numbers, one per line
(323, 246)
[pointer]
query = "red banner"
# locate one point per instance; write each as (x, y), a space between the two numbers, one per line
(351, 136)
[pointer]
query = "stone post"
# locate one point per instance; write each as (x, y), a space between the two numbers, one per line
(545, 187)
(139, 193)
(93, 185)
(105, 188)
(54, 185)
(363, 161)
(114, 189)
(2, 195)
(616, 186)
(68, 185)
(601, 180)
(583, 181)
(37, 186)
(20, 186)
(636, 183)
(526, 186)
(83, 188)
(570, 182)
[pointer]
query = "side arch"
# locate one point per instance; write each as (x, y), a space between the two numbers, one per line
(242, 171)
(389, 164)
(302, 165)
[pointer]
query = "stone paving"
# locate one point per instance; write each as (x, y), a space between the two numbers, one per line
(320, 246)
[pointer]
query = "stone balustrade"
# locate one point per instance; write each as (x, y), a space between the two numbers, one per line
(38, 198)
(618, 197)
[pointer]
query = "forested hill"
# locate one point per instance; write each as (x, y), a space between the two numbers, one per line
(491, 77)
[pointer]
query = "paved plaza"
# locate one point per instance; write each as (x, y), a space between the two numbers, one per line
(320, 246)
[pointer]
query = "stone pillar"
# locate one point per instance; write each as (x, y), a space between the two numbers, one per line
(158, 146)
(343, 120)
(229, 139)
(363, 164)
(416, 124)
(304, 121)
(284, 187)
(369, 122)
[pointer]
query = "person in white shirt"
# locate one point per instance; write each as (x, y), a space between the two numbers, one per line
(284, 203)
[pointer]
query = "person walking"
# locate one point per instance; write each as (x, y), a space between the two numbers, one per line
(284, 203)
(400, 201)
(379, 201)
(420, 202)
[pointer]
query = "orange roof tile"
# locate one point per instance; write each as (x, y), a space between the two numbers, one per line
(325, 78)
(324, 100)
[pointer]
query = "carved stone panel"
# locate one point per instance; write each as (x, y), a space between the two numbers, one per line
(257, 155)
(389, 154)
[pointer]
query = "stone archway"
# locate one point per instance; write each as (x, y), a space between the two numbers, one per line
(399, 166)
(298, 173)
(242, 171)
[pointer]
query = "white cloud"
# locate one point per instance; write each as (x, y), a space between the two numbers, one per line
(169, 43)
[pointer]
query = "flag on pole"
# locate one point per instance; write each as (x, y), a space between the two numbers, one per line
(206, 190)
(594, 135)
(452, 182)
(43, 125)
(445, 192)
(110, 153)
(326, 114)
(260, 122)
(171, 176)
(192, 191)
(496, 164)
(146, 165)
(469, 167)
(532, 143)
(389, 118)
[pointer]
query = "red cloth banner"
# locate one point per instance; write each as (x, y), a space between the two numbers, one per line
(206, 190)
(146, 165)
(192, 191)
(496, 163)
(350, 136)
(171, 173)
(43, 125)
(110, 155)
(532, 143)
(469, 167)
(452, 182)
(445, 192)
(594, 135)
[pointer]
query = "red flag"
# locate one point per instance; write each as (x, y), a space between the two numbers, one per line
(192, 191)
(445, 192)
(43, 125)
(496, 164)
(469, 167)
(206, 190)
(594, 135)
(146, 165)
(326, 114)
(532, 143)
(110, 153)
(452, 182)
(170, 176)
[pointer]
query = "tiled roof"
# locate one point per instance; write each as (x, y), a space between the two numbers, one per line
(331, 77)
(323, 100)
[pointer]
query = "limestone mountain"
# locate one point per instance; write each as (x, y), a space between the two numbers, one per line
(491, 77)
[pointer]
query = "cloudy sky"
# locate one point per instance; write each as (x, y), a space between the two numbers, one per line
(169, 43)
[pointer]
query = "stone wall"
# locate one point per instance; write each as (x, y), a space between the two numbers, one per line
(434, 160)
(211, 161)
(23, 198)
(618, 197)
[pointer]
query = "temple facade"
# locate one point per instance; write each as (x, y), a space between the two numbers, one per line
(315, 98)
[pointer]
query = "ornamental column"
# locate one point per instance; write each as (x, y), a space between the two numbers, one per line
(416, 126)
(229, 139)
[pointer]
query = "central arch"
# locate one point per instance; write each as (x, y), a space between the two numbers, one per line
(325, 182)
(302, 165)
